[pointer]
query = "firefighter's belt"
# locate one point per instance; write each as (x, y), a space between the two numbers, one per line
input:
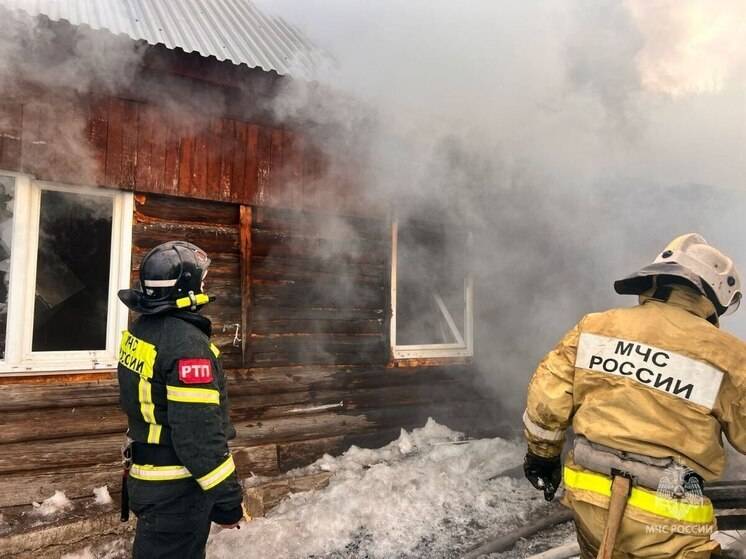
(154, 454)
(643, 499)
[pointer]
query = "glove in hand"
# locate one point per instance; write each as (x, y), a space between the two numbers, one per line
(545, 474)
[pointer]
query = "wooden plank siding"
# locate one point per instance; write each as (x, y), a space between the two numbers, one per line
(133, 145)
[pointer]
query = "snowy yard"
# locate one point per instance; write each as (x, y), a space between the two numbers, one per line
(423, 495)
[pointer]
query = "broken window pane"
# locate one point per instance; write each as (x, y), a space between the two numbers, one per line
(72, 272)
(431, 274)
(7, 194)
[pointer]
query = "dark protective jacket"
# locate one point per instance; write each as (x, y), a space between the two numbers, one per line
(172, 388)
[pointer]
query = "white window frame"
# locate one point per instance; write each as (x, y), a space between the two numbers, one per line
(19, 357)
(465, 340)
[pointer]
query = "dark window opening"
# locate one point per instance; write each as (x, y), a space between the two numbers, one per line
(72, 272)
(7, 194)
(431, 275)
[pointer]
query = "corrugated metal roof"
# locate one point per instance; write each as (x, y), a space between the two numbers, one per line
(233, 30)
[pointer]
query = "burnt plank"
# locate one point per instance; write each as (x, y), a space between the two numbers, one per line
(321, 224)
(159, 139)
(239, 161)
(58, 423)
(32, 141)
(11, 127)
(277, 195)
(199, 186)
(115, 143)
(314, 313)
(145, 126)
(27, 397)
(186, 161)
(321, 326)
(227, 158)
(358, 296)
(210, 239)
(274, 244)
(245, 244)
(213, 134)
(98, 126)
(129, 144)
(172, 161)
(292, 175)
(169, 209)
(262, 194)
(270, 267)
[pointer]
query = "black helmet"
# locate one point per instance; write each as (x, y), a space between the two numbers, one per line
(171, 277)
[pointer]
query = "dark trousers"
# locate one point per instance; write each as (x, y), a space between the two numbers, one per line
(173, 519)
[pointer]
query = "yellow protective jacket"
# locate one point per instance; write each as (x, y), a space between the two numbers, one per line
(656, 379)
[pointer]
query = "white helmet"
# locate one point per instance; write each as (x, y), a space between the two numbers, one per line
(689, 259)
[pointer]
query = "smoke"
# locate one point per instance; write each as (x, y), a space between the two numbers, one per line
(573, 139)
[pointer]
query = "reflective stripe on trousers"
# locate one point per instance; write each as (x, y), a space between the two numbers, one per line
(680, 510)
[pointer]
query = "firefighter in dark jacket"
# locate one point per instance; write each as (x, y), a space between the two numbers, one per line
(181, 474)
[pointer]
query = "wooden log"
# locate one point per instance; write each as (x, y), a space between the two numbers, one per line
(332, 343)
(27, 397)
(324, 425)
(82, 421)
(241, 382)
(55, 423)
(262, 498)
(314, 313)
(98, 449)
(151, 208)
(320, 224)
(212, 239)
(20, 488)
(323, 326)
(276, 244)
(317, 270)
(53, 541)
(355, 296)
(302, 453)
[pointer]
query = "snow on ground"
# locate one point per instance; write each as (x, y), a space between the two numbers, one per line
(101, 496)
(55, 504)
(424, 495)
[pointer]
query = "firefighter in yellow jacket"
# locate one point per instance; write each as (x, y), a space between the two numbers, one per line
(648, 390)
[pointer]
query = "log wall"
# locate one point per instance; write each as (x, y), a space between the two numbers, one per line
(309, 375)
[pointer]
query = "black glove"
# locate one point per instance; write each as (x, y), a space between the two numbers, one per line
(543, 473)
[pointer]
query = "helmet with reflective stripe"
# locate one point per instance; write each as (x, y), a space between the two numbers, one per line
(690, 260)
(172, 271)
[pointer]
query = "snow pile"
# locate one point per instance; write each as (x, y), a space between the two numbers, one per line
(102, 495)
(56, 503)
(425, 495)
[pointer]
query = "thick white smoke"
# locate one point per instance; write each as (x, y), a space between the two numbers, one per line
(574, 138)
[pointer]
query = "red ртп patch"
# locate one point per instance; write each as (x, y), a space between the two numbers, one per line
(195, 371)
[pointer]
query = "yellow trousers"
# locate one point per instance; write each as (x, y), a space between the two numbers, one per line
(636, 539)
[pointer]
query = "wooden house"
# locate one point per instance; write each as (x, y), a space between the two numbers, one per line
(328, 335)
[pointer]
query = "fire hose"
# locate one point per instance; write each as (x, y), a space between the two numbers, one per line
(728, 497)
